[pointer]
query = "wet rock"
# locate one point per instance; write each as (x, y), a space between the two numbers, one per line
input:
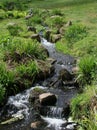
(34, 94)
(55, 38)
(51, 60)
(71, 84)
(45, 69)
(75, 70)
(36, 124)
(47, 99)
(36, 37)
(65, 75)
(34, 98)
(30, 28)
(48, 35)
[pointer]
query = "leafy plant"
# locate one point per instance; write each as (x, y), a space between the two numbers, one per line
(81, 109)
(3, 14)
(27, 72)
(17, 49)
(14, 29)
(57, 21)
(87, 68)
(57, 12)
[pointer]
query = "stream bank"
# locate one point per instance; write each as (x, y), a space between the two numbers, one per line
(61, 84)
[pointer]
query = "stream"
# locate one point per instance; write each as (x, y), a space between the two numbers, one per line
(54, 116)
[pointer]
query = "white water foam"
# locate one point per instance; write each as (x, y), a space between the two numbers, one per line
(55, 112)
(20, 101)
(45, 42)
(54, 123)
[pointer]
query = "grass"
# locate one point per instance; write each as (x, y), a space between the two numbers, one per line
(83, 108)
(19, 54)
(59, 3)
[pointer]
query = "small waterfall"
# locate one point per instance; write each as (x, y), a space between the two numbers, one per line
(19, 103)
(55, 112)
(54, 117)
(54, 123)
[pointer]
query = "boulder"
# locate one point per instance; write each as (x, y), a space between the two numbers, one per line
(45, 69)
(34, 94)
(30, 28)
(55, 38)
(65, 75)
(36, 37)
(47, 99)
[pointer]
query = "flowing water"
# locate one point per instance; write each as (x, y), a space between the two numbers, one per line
(18, 105)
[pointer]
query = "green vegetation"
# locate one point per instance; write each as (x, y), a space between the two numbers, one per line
(2, 93)
(19, 54)
(75, 33)
(87, 70)
(18, 68)
(84, 108)
(14, 29)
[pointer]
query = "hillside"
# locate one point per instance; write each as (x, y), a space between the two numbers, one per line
(72, 26)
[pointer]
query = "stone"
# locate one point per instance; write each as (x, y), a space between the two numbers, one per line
(45, 69)
(48, 35)
(47, 99)
(34, 94)
(36, 124)
(65, 75)
(75, 70)
(36, 37)
(30, 28)
(55, 38)
(62, 30)
(51, 60)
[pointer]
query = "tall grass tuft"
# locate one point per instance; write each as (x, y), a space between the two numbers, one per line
(82, 109)
(87, 70)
